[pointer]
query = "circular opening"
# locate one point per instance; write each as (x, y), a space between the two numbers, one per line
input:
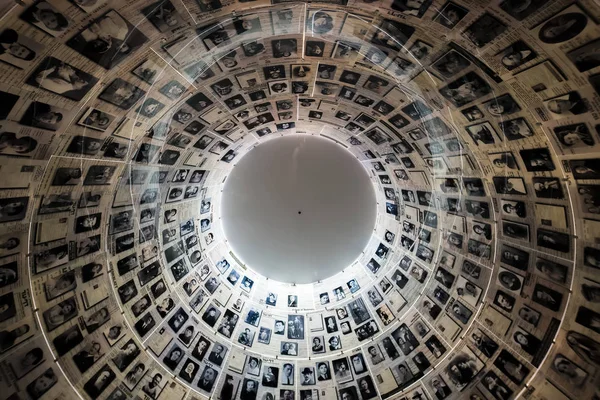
(289, 175)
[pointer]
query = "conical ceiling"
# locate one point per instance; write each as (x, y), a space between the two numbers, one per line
(122, 124)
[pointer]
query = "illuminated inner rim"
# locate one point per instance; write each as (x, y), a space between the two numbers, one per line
(298, 209)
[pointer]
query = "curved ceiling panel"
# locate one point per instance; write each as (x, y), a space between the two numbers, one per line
(476, 122)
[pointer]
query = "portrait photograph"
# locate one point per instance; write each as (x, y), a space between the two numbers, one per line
(47, 17)
(463, 368)
(61, 78)
(466, 89)
(42, 384)
(450, 15)
(108, 40)
(484, 30)
(163, 15)
(66, 341)
(18, 50)
(26, 359)
(60, 313)
(563, 26)
(450, 64)
(510, 366)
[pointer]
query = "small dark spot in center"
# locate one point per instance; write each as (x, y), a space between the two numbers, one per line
(299, 212)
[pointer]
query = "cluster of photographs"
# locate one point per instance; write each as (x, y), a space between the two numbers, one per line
(478, 124)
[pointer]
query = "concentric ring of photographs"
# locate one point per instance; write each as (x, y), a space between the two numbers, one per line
(476, 123)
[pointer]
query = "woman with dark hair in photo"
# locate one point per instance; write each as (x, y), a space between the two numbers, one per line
(9, 43)
(284, 47)
(529, 343)
(228, 59)
(149, 196)
(170, 216)
(496, 386)
(22, 145)
(60, 313)
(517, 209)
(451, 63)
(227, 389)
(173, 358)
(187, 335)
(90, 271)
(135, 374)
(551, 270)
(246, 25)
(165, 306)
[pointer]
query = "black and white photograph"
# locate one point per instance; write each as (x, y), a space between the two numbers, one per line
(122, 94)
(516, 129)
(47, 17)
(484, 30)
(496, 386)
(163, 15)
(568, 371)
(537, 160)
(19, 50)
(96, 119)
(516, 54)
(61, 78)
(13, 209)
(466, 89)
(108, 40)
(463, 368)
(510, 366)
(413, 8)
(99, 382)
(450, 15)
(56, 315)
(563, 26)
(483, 343)
(150, 108)
(547, 188)
(515, 230)
(509, 186)
(450, 64)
